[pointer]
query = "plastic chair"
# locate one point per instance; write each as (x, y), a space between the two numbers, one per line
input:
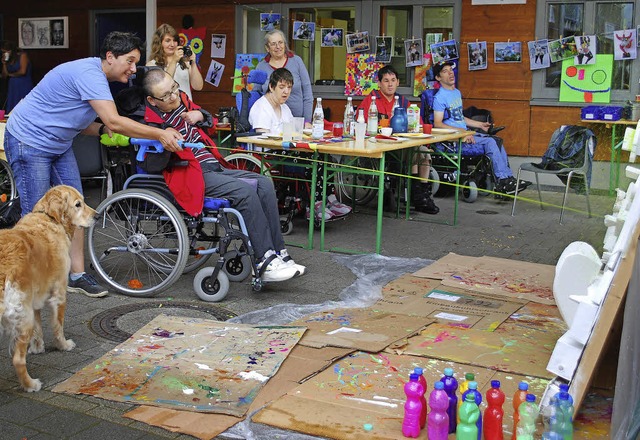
(568, 173)
(92, 161)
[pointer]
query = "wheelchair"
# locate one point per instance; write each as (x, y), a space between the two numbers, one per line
(142, 241)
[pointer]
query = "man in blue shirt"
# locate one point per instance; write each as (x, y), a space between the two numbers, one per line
(42, 126)
(448, 101)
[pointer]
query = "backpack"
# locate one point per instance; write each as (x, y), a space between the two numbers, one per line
(567, 150)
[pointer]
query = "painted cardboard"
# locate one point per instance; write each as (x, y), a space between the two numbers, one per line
(302, 363)
(367, 329)
(426, 297)
(188, 363)
(494, 276)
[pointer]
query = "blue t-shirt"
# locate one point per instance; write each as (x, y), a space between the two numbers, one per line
(58, 108)
(450, 100)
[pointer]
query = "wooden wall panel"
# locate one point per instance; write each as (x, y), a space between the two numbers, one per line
(512, 114)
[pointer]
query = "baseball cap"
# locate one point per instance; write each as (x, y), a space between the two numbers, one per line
(439, 66)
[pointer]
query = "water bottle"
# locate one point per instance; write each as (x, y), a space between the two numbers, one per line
(494, 414)
(464, 386)
(469, 413)
(564, 388)
(564, 416)
(438, 426)
(528, 413)
(519, 397)
(396, 103)
(412, 407)
(423, 382)
(413, 119)
(450, 386)
(477, 397)
(317, 123)
(372, 118)
(348, 116)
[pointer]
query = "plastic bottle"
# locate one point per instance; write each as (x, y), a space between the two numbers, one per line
(438, 426)
(469, 413)
(528, 412)
(564, 388)
(412, 407)
(317, 122)
(477, 397)
(413, 119)
(372, 118)
(564, 416)
(348, 116)
(464, 386)
(450, 386)
(423, 382)
(360, 116)
(494, 414)
(519, 397)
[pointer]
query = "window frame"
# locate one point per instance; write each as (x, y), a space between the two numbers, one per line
(548, 96)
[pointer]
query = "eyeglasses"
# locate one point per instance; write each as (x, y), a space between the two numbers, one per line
(167, 96)
(276, 43)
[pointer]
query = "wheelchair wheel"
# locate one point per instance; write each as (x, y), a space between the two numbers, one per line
(7, 182)
(470, 191)
(139, 244)
(211, 290)
(435, 180)
(286, 226)
(237, 266)
(345, 181)
(247, 162)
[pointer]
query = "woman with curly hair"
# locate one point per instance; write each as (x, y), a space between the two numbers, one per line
(166, 53)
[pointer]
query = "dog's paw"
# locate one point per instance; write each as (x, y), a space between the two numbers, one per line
(33, 386)
(67, 345)
(36, 346)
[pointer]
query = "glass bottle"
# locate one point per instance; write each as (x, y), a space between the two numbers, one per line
(348, 116)
(372, 118)
(317, 123)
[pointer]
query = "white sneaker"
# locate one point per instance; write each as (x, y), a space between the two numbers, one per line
(336, 208)
(286, 259)
(277, 270)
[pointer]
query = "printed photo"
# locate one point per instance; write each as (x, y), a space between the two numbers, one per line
(444, 51)
(332, 37)
(269, 22)
(432, 38)
(214, 74)
(358, 42)
(43, 33)
(562, 49)
(303, 30)
(218, 45)
(539, 54)
(477, 55)
(384, 49)
(586, 46)
(509, 52)
(413, 52)
(624, 45)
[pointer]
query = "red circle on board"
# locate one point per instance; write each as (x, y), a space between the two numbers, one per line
(571, 71)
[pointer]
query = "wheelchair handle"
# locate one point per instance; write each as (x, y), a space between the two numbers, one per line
(153, 146)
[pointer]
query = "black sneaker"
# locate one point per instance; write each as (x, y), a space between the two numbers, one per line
(87, 285)
(428, 206)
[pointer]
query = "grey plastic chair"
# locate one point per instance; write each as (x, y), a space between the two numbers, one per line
(92, 160)
(569, 173)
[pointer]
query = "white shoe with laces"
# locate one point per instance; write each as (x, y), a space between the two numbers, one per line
(336, 208)
(276, 269)
(286, 258)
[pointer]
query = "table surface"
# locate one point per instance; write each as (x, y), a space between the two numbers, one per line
(604, 121)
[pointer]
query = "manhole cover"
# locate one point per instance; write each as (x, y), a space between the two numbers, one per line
(119, 323)
(486, 212)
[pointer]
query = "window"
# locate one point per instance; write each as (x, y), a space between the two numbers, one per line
(400, 18)
(588, 17)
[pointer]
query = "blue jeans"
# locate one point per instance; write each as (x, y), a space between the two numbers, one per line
(487, 145)
(35, 171)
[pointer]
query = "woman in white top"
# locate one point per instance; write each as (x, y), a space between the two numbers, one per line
(166, 53)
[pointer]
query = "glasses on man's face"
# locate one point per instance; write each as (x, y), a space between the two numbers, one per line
(276, 43)
(167, 96)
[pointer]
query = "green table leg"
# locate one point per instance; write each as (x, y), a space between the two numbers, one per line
(614, 165)
(312, 203)
(380, 203)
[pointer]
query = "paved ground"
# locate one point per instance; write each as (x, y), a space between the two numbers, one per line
(485, 228)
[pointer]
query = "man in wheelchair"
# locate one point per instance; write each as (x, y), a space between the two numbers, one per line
(250, 193)
(448, 101)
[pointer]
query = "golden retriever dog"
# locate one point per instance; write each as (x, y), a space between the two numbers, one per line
(34, 270)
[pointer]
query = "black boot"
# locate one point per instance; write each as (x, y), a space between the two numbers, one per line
(421, 198)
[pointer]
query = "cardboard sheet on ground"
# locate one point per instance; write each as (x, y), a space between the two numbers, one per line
(364, 389)
(495, 276)
(188, 363)
(412, 295)
(301, 363)
(360, 329)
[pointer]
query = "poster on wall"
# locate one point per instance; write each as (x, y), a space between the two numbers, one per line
(245, 63)
(539, 54)
(624, 45)
(586, 47)
(43, 33)
(331, 37)
(586, 84)
(218, 45)
(214, 74)
(477, 55)
(193, 37)
(361, 74)
(269, 22)
(423, 76)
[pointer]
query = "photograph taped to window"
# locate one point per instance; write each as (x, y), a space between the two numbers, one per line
(444, 51)
(303, 30)
(332, 37)
(625, 45)
(586, 45)
(539, 54)
(269, 22)
(358, 42)
(384, 49)
(562, 49)
(413, 52)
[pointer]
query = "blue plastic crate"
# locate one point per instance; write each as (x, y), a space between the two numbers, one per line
(612, 113)
(591, 112)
